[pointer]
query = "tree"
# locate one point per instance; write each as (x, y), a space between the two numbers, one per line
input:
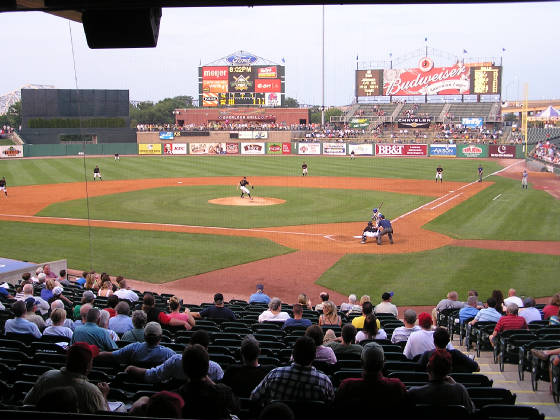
(13, 116)
(330, 112)
(159, 113)
(510, 116)
(291, 102)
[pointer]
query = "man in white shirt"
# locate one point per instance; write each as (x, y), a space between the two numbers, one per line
(529, 312)
(274, 312)
(423, 340)
(401, 334)
(42, 304)
(125, 293)
(512, 298)
(386, 307)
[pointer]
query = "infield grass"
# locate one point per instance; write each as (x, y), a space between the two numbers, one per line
(426, 277)
(151, 256)
(188, 205)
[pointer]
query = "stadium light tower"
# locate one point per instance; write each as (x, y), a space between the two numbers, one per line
(323, 72)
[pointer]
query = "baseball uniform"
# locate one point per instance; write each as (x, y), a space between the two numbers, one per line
(525, 179)
(3, 186)
(439, 174)
(243, 184)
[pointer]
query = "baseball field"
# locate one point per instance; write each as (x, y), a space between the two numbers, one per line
(176, 224)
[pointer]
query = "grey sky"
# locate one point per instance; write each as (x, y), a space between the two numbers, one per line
(36, 46)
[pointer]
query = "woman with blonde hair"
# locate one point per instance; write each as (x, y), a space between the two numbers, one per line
(329, 317)
(106, 288)
(304, 300)
(175, 307)
(58, 316)
(47, 292)
(90, 281)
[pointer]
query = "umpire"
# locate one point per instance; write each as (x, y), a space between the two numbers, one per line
(385, 228)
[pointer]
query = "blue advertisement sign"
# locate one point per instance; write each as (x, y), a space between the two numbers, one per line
(472, 122)
(238, 60)
(449, 150)
(166, 135)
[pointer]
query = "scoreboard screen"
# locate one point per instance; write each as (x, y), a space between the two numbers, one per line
(369, 82)
(241, 85)
(486, 80)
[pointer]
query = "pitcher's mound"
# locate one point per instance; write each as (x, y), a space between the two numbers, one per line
(238, 201)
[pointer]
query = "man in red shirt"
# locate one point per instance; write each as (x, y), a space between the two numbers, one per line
(511, 321)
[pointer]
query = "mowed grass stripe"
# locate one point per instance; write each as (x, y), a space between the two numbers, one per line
(46, 171)
(151, 256)
(424, 278)
(189, 205)
(515, 215)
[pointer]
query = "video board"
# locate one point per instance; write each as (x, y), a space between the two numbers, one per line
(241, 85)
(486, 80)
(369, 82)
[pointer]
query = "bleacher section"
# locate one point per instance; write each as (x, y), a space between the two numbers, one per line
(476, 110)
(542, 134)
(423, 110)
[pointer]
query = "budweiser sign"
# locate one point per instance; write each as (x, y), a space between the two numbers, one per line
(401, 150)
(453, 80)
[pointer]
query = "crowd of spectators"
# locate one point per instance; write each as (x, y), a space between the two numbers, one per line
(548, 152)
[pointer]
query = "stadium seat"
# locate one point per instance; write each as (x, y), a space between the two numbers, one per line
(472, 379)
(482, 396)
(427, 411)
(503, 411)
(341, 375)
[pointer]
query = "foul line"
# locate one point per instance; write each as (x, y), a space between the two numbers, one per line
(446, 201)
(498, 196)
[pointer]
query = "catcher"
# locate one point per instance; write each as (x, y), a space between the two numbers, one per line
(370, 231)
(244, 187)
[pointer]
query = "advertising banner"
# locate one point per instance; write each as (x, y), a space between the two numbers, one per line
(232, 148)
(273, 99)
(253, 135)
(427, 80)
(361, 149)
(272, 85)
(401, 150)
(209, 99)
(11, 152)
(338, 149)
(149, 149)
(443, 150)
(415, 122)
(214, 86)
(175, 149)
(369, 82)
(309, 148)
(267, 72)
(501, 151)
(472, 122)
(215, 73)
(253, 148)
(359, 123)
(278, 148)
(166, 135)
(207, 148)
(472, 150)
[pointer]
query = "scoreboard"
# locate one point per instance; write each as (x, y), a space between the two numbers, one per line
(486, 80)
(241, 85)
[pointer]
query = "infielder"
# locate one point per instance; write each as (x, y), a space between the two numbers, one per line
(480, 171)
(3, 186)
(439, 174)
(304, 169)
(97, 173)
(524, 179)
(370, 231)
(243, 186)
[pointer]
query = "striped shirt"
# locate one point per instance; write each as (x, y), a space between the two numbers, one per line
(510, 322)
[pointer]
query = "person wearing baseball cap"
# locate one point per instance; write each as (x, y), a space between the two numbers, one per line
(218, 311)
(79, 360)
(259, 296)
(372, 387)
(30, 315)
(423, 340)
(386, 307)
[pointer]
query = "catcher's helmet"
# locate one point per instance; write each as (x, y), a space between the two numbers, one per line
(375, 210)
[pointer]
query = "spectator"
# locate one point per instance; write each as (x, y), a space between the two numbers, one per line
(173, 367)
(147, 354)
(126, 293)
(489, 314)
(154, 314)
(529, 312)
(83, 315)
(57, 304)
(164, 404)
(243, 378)
(91, 398)
(63, 278)
(121, 322)
(112, 302)
(57, 294)
(203, 398)
(401, 334)
(139, 321)
(553, 307)
(350, 305)
(106, 288)
(31, 316)
(47, 291)
(47, 271)
(304, 301)
(298, 319)
(259, 296)
(423, 340)
(513, 298)
(371, 331)
(60, 399)
(451, 302)
(87, 297)
(470, 311)
(442, 389)
(103, 322)
(312, 385)
(460, 361)
(385, 394)
(329, 318)
(175, 307)
(218, 311)
(347, 344)
(511, 321)
(367, 309)
(58, 317)
(42, 305)
(20, 325)
(274, 312)
(90, 281)
(323, 353)
(80, 281)
(386, 307)
(324, 296)
(92, 333)
(499, 296)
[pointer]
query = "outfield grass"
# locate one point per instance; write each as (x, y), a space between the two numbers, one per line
(49, 171)
(503, 211)
(188, 205)
(155, 257)
(424, 278)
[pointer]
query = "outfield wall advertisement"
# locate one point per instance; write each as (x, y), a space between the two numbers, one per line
(253, 148)
(443, 150)
(11, 152)
(149, 149)
(309, 148)
(361, 149)
(472, 150)
(337, 149)
(501, 151)
(207, 148)
(251, 135)
(175, 148)
(401, 150)
(278, 148)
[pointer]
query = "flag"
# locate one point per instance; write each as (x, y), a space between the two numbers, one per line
(503, 49)
(356, 58)
(283, 60)
(426, 39)
(464, 51)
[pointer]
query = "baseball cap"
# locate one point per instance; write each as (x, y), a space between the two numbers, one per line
(92, 349)
(218, 297)
(57, 290)
(260, 287)
(381, 216)
(386, 295)
(375, 210)
(425, 320)
(30, 302)
(152, 328)
(373, 351)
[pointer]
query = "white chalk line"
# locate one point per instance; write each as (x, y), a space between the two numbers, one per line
(446, 201)
(495, 198)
